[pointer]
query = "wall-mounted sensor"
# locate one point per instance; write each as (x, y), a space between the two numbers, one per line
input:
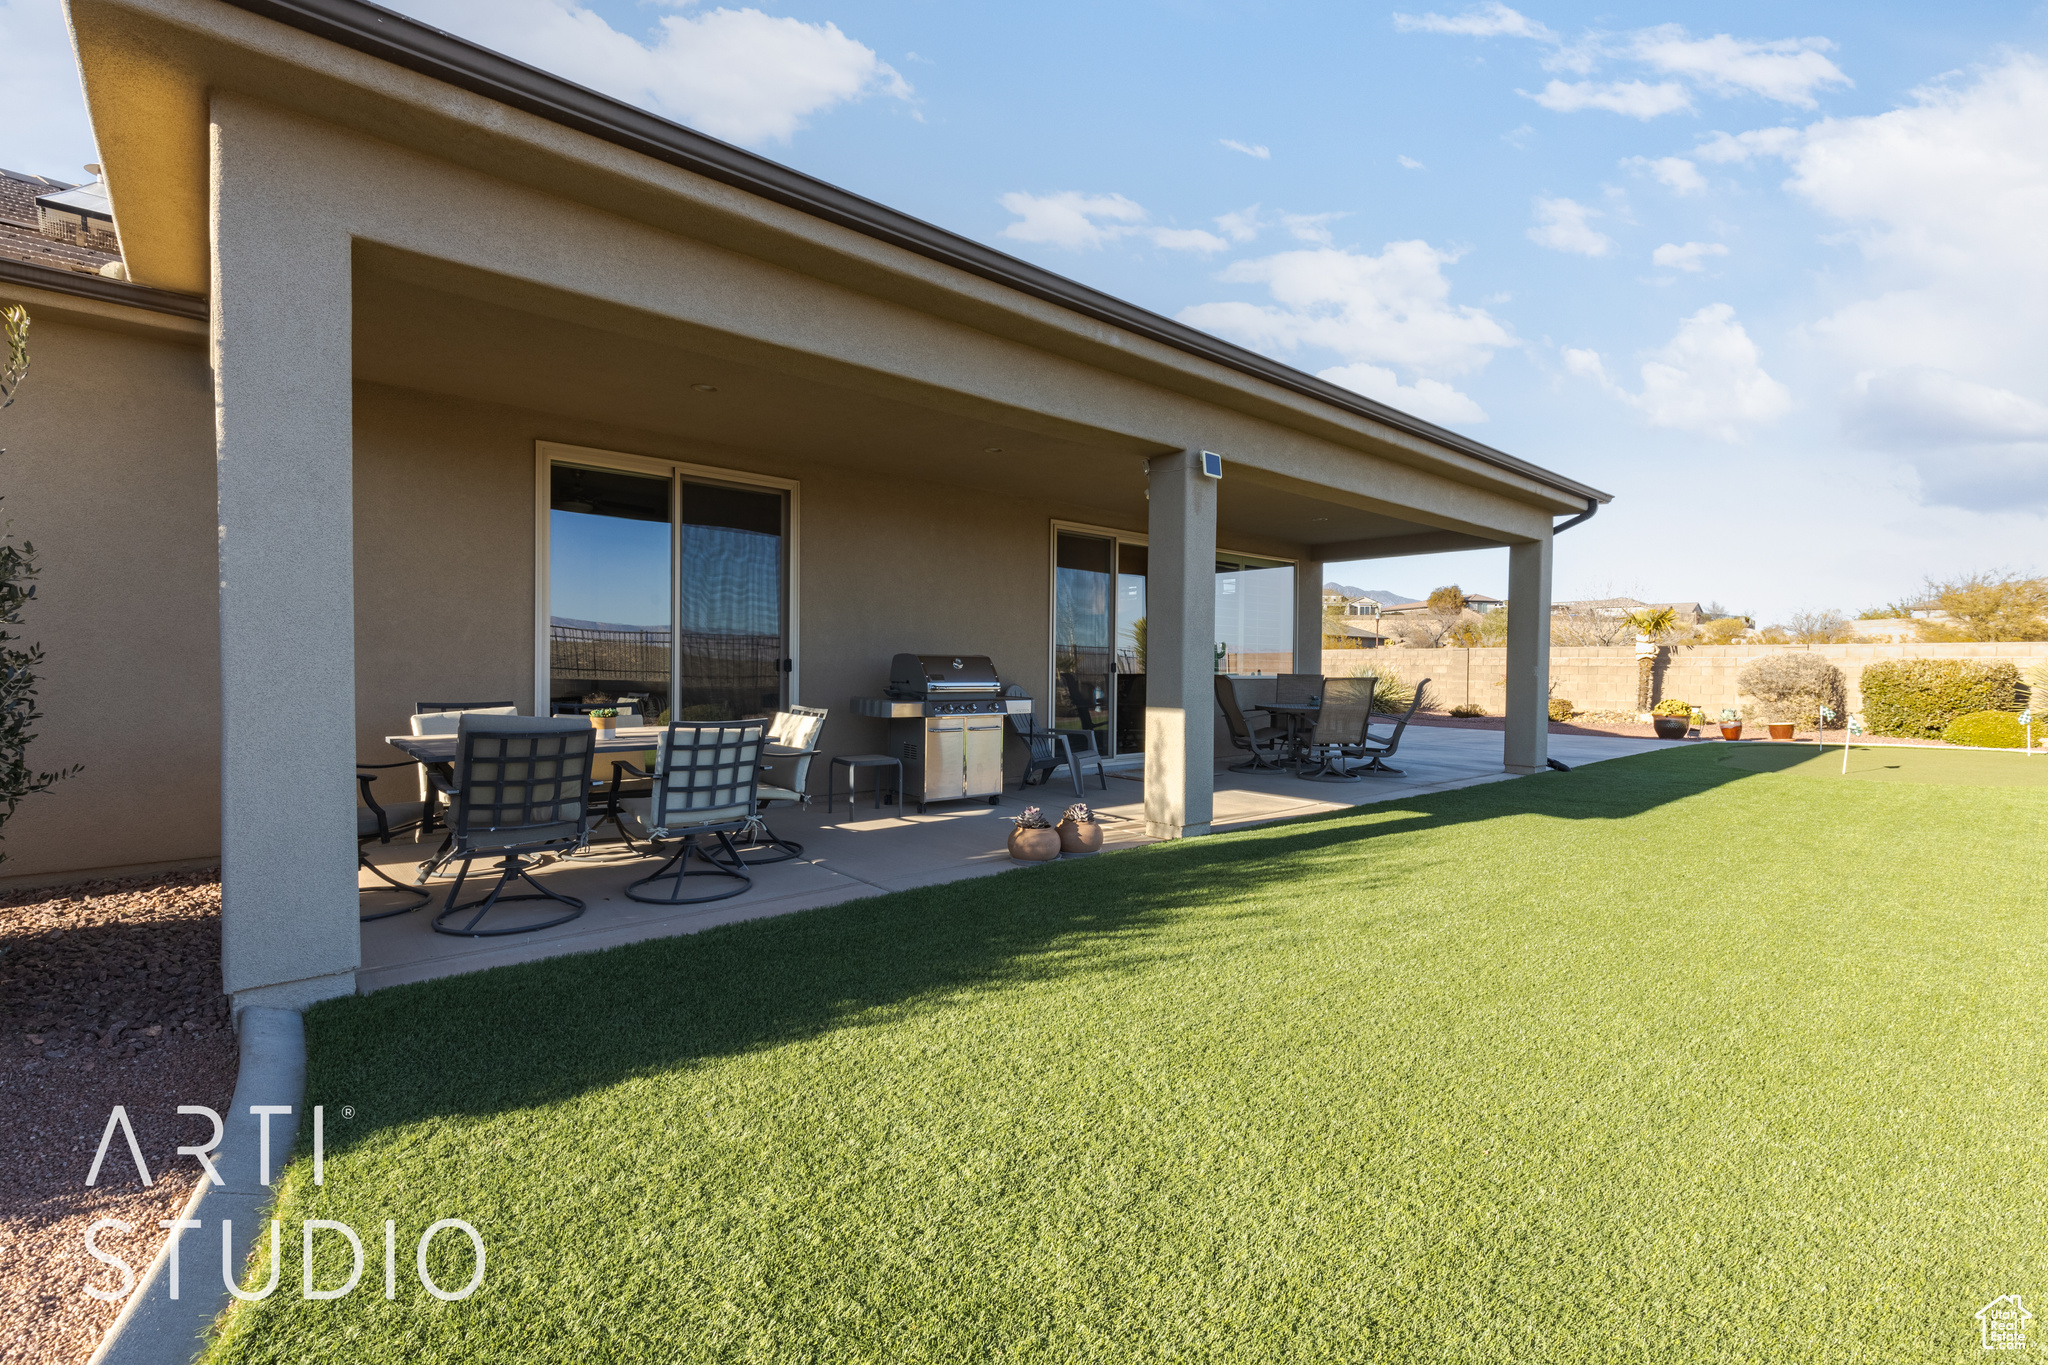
(1212, 465)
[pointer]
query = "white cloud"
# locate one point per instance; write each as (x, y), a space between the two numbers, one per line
(1787, 70)
(1707, 379)
(1490, 20)
(1430, 399)
(1241, 225)
(1636, 99)
(47, 130)
(734, 73)
(1973, 445)
(1410, 163)
(1253, 149)
(1561, 225)
(1379, 315)
(1674, 172)
(1309, 227)
(1078, 221)
(1686, 256)
(1743, 146)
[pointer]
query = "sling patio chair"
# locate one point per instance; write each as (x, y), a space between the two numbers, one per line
(1262, 743)
(374, 821)
(1340, 726)
(792, 742)
(520, 791)
(1379, 748)
(707, 779)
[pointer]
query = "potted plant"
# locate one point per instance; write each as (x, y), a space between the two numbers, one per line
(1079, 834)
(1672, 718)
(604, 718)
(1034, 840)
(1731, 723)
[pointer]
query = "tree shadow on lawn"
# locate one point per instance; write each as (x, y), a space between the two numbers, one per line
(537, 1033)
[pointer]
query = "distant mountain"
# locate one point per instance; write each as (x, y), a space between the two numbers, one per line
(1379, 595)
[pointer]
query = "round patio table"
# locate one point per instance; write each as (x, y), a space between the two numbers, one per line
(1292, 714)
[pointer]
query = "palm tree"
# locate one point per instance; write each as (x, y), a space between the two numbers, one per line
(1651, 625)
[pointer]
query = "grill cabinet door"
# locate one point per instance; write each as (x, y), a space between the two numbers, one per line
(984, 756)
(945, 760)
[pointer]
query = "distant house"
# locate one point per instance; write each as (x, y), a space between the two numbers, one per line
(1614, 608)
(1346, 633)
(58, 225)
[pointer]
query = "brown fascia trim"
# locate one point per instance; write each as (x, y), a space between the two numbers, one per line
(432, 52)
(101, 288)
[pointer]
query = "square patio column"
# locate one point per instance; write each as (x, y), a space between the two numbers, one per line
(1308, 616)
(1527, 745)
(282, 388)
(1180, 648)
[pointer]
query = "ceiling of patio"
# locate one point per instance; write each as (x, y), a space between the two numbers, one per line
(432, 326)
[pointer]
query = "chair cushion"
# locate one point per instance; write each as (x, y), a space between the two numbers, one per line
(448, 722)
(635, 812)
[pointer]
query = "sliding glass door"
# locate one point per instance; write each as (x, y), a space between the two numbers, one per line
(666, 593)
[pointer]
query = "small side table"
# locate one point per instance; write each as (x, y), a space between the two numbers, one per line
(854, 763)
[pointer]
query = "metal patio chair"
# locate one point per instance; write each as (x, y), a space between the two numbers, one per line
(1379, 748)
(373, 821)
(785, 777)
(707, 780)
(1262, 743)
(520, 790)
(1050, 749)
(1340, 725)
(441, 718)
(1084, 709)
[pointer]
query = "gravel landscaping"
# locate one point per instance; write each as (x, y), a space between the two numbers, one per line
(110, 993)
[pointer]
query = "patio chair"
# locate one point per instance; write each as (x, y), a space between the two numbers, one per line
(707, 780)
(1340, 725)
(1262, 743)
(521, 788)
(374, 822)
(1050, 749)
(441, 718)
(785, 777)
(1378, 748)
(1084, 709)
(1297, 689)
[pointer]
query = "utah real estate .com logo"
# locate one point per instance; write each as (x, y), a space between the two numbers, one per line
(2003, 1323)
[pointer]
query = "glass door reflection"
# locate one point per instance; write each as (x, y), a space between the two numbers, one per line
(1130, 647)
(608, 591)
(731, 648)
(1081, 634)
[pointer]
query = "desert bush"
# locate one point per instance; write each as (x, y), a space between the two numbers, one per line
(1917, 698)
(2036, 679)
(1468, 710)
(1791, 687)
(1392, 696)
(1560, 709)
(1987, 730)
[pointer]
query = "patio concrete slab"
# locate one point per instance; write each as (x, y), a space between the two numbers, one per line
(851, 853)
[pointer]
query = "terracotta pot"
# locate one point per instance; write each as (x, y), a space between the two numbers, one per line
(1034, 845)
(1780, 731)
(1079, 839)
(1671, 727)
(1731, 731)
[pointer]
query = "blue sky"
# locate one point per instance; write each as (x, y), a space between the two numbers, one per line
(1770, 274)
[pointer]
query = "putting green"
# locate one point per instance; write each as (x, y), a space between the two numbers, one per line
(1896, 763)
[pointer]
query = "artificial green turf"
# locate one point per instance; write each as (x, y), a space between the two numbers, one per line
(1652, 1061)
(1896, 763)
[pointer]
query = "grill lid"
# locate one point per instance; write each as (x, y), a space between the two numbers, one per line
(943, 675)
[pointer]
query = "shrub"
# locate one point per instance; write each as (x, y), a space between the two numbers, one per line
(2036, 679)
(1987, 730)
(1391, 696)
(1672, 706)
(1560, 709)
(1791, 687)
(1468, 710)
(1918, 698)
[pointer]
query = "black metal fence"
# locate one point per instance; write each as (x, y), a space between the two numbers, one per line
(731, 675)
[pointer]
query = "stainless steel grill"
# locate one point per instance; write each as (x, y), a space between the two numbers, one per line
(946, 714)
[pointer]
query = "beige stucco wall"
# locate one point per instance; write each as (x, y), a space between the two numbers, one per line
(109, 473)
(1604, 679)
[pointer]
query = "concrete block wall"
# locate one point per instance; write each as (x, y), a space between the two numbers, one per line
(1604, 678)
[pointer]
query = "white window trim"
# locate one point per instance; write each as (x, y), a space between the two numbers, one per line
(546, 453)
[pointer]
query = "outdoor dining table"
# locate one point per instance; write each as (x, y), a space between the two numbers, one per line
(1292, 714)
(624, 739)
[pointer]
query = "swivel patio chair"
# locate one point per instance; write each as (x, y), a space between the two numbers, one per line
(1297, 689)
(375, 822)
(707, 780)
(441, 718)
(1378, 748)
(1050, 749)
(521, 789)
(792, 742)
(1262, 743)
(1340, 726)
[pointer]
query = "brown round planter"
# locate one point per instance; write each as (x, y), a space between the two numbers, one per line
(1671, 727)
(1780, 731)
(1034, 845)
(1076, 840)
(1731, 732)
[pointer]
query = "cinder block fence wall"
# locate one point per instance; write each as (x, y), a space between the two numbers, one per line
(1604, 678)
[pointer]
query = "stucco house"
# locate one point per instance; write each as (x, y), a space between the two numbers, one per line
(334, 447)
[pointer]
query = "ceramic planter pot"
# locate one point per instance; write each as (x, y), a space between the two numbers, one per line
(1079, 839)
(1671, 727)
(1780, 731)
(1731, 731)
(604, 722)
(1034, 845)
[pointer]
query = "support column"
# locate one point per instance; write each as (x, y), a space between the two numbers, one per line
(282, 372)
(1180, 648)
(1308, 616)
(1527, 746)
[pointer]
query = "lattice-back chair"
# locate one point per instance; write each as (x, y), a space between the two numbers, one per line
(441, 718)
(521, 789)
(374, 821)
(1261, 742)
(707, 780)
(1340, 727)
(792, 741)
(1378, 748)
